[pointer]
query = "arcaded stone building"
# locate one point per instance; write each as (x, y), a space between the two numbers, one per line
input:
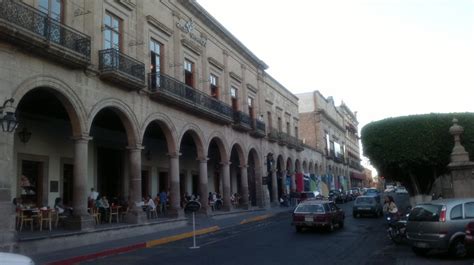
(136, 97)
(333, 131)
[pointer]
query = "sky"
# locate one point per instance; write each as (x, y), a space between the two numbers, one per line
(383, 58)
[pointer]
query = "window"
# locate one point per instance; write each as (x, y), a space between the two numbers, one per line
(296, 131)
(251, 111)
(456, 212)
(234, 99)
(112, 32)
(214, 87)
(269, 114)
(189, 73)
(156, 62)
(288, 127)
(469, 208)
(54, 10)
(327, 143)
(280, 125)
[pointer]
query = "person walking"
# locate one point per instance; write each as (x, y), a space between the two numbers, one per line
(163, 201)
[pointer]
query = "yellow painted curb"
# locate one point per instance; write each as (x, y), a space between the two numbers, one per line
(256, 219)
(169, 239)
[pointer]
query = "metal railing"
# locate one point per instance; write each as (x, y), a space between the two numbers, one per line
(158, 82)
(38, 23)
(113, 60)
(260, 126)
(273, 134)
(242, 118)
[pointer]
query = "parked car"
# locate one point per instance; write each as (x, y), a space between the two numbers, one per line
(367, 205)
(401, 190)
(355, 192)
(440, 225)
(372, 191)
(318, 214)
(469, 239)
(15, 259)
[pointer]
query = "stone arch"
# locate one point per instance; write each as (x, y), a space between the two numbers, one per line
(305, 167)
(198, 137)
(240, 152)
(65, 94)
(221, 144)
(126, 115)
(166, 125)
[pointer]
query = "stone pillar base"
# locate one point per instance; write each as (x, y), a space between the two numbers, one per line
(135, 216)
(83, 222)
(244, 206)
(275, 204)
(226, 208)
(175, 213)
(205, 211)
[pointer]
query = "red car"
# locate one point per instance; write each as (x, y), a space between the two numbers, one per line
(318, 214)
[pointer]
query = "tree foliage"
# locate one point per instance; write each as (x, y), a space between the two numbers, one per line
(415, 149)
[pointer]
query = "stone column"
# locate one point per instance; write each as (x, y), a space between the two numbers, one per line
(203, 186)
(244, 185)
(81, 220)
(226, 185)
(135, 213)
(175, 209)
(275, 201)
(8, 234)
(283, 181)
(259, 187)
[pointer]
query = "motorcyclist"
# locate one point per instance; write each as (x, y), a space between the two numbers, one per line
(390, 209)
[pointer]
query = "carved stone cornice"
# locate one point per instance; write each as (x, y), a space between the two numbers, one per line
(252, 88)
(158, 25)
(128, 4)
(215, 63)
(191, 46)
(236, 77)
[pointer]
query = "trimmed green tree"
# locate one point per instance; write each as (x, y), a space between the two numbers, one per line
(416, 149)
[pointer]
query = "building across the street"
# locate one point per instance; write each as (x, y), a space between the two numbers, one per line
(333, 131)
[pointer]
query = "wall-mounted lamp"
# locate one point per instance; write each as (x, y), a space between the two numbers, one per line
(24, 135)
(8, 118)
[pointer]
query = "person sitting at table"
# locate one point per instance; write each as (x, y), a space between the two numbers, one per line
(150, 205)
(103, 205)
(60, 208)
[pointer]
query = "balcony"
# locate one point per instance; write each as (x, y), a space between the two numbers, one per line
(242, 121)
(173, 92)
(29, 28)
(273, 135)
(121, 69)
(258, 129)
(282, 138)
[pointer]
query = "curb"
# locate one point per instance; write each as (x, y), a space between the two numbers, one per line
(256, 218)
(151, 243)
(120, 250)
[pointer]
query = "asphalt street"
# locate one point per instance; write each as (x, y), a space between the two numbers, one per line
(275, 241)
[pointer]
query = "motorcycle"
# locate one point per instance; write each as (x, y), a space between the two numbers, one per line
(397, 227)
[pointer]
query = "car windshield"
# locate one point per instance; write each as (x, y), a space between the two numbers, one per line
(364, 200)
(425, 213)
(310, 208)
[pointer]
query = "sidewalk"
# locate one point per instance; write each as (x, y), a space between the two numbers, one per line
(215, 222)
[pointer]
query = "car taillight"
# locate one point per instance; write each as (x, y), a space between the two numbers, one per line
(442, 215)
(469, 228)
(321, 217)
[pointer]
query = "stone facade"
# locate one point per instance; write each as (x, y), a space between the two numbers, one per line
(181, 105)
(333, 131)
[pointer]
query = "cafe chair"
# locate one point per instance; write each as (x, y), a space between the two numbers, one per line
(95, 214)
(45, 216)
(114, 211)
(26, 217)
(153, 213)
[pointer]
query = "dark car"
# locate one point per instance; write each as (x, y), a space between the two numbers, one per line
(440, 225)
(318, 214)
(469, 239)
(367, 205)
(307, 195)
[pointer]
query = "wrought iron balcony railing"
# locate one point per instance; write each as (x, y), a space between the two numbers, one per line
(171, 90)
(242, 121)
(273, 135)
(282, 138)
(33, 29)
(258, 128)
(121, 69)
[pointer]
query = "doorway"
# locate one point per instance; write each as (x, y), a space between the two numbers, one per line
(68, 183)
(109, 172)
